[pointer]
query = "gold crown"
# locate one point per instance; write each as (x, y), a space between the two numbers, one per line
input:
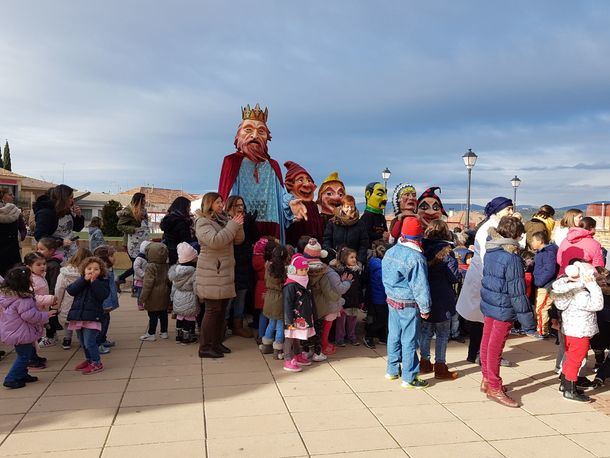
(255, 114)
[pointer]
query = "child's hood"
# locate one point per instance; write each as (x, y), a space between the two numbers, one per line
(156, 253)
(576, 234)
(7, 300)
(180, 275)
(566, 290)
(92, 229)
(70, 271)
(316, 272)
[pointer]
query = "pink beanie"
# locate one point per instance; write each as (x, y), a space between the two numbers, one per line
(259, 246)
(186, 253)
(298, 261)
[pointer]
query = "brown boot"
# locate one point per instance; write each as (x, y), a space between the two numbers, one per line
(239, 330)
(500, 397)
(425, 366)
(485, 386)
(442, 372)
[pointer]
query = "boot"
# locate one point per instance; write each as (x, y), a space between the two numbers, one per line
(442, 372)
(500, 397)
(179, 335)
(278, 350)
(485, 386)
(239, 330)
(425, 366)
(571, 393)
(266, 346)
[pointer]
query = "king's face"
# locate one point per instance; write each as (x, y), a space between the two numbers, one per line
(252, 130)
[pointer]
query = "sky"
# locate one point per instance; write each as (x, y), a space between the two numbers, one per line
(111, 95)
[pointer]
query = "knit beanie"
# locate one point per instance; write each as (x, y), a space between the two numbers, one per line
(144, 245)
(259, 246)
(186, 253)
(411, 229)
(497, 205)
(313, 250)
(431, 193)
(299, 261)
(292, 170)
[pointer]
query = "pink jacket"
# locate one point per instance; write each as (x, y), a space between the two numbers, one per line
(579, 243)
(20, 321)
(44, 300)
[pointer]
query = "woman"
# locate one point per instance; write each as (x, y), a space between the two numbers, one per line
(177, 227)
(469, 301)
(7, 197)
(56, 216)
(542, 221)
(571, 218)
(133, 223)
(215, 277)
(9, 235)
(346, 230)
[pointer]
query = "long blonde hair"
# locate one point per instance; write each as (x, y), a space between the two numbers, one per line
(568, 217)
(138, 210)
(207, 202)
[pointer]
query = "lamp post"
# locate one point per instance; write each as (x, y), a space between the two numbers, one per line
(385, 174)
(515, 182)
(470, 159)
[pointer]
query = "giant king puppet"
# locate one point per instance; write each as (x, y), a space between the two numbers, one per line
(251, 173)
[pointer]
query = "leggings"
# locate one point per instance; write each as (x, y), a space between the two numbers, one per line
(292, 347)
(153, 317)
(475, 330)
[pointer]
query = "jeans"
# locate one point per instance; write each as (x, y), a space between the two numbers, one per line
(212, 326)
(103, 335)
(495, 333)
(88, 340)
(576, 351)
(403, 327)
(263, 321)
(153, 317)
(442, 330)
(238, 303)
(377, 321)
(345, 327)
(455, 326)
(19, 369)
(275, 327)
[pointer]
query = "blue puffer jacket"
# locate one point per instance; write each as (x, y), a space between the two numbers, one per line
(443, 273)
(112, 301)
(503, 295)
(376, 291)
(88, 299)
(545, 266)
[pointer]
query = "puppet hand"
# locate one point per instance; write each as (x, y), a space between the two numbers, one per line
(298, 209)
(386, 236)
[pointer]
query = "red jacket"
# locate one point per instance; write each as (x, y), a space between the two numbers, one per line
(579, 243)
(258, 263)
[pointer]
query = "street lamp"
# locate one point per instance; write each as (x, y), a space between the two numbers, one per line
(470, 159)
(515, 182)
(385, 174)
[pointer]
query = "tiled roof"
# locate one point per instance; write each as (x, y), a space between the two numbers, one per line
(160, 195)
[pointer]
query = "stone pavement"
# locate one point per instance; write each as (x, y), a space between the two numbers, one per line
(160, 399)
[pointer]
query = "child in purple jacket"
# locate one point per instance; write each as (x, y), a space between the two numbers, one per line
(20, 323)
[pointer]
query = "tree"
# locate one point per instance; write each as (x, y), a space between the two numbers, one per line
(110, 218)
(6, 160)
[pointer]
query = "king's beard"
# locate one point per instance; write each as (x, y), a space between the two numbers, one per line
(255, 150)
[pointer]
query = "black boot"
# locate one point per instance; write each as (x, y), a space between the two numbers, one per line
(562, 384)
(571, 393)
(584, 382)
(179, 335)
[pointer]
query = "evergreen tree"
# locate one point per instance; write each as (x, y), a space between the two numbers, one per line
(6, 160)
(110, 218)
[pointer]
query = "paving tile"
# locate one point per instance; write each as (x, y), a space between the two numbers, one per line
(66, 419)
(91, 386)
(388, 453)
(544, 447)
(372, 385)
(8, 422)
(546, 401)
(450, 432)
(135, 434)
(348, 440)
(165, 383)
(444, 394)
(596, 443)
(268, 446)
(354, 372)
(109, 373)
(84, 453)
(226, 366)
(194, 449)
(510, 428)
(469, 449)
(250, 378)
(323, 403)
(162, 397)
(334, 420)
(166, 371)
(423, 413)
(169, 360)
(315, 373)
(17, 405)
(481, 410)
(159, 414)
(31, 390)
(48, 441)
(404, 397)
(574, 423)
(77, 402)
(241, 392)
(314, 388)
(260, 425)
(244, 408)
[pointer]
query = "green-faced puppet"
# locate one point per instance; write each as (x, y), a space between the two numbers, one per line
(376, 197)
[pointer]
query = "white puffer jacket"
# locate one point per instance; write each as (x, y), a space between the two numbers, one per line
(578, 302)
(183, 294)
(67, 275)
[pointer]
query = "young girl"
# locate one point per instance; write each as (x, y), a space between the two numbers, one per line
(68, 274)
(377, 307)
(298, 314)
(275, 276)
(50, 248)
(106, 254)
(90, 291)
(96, 237)
(259, 259)
(347, 262)
(578, 296)
(186, 305)
(20, 323)
(156, 290)
(139, 267)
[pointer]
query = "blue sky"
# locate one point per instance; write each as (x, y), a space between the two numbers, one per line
(127, 94)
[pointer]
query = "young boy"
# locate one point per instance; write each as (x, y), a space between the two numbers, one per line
(545, 272)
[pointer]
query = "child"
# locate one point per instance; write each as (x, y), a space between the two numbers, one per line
(50, 248)
(345, 326)
(186, 305)
(275, 276)
(578, 296)
(106, 254)
(377, 307)
(156, 290)
(298, 314)
(503, 300)
(259, 259)
(68, 274)
(601, 342)
(443, 275)
(139, 267)
(20, 324)
(90, 291)
(545, 272)
(96, 237)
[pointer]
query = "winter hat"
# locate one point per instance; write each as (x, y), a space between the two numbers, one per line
(578, 269)
(299, 261)
(431, 193)
(412, 229)
(573, 272)
(259, 246)
(313, 250)
(292, 170)
(144, 245)
(186, 253)
(496, 205)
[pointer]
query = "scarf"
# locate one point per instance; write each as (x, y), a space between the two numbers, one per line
(302, 280)
(373, 210)
(221, 218)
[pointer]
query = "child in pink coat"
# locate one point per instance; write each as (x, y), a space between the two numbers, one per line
(580, 244)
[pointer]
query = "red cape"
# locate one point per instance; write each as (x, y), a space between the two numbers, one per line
(230, 169)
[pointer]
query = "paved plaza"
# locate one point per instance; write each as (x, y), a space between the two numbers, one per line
(159, 399)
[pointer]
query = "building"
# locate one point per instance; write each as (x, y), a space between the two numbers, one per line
(92, 203)
(25, 189)
(457, 218)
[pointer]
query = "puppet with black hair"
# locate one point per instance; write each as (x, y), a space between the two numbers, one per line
(373, 216)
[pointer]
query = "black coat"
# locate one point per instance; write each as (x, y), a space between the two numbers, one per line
(9, 241)
(177, 228)
(355, 237)
(375, 224)
(244, 273)
(443, 274)
(46, 218)
(353, 297)
(88, 299)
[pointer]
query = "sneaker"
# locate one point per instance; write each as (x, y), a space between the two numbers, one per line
(504, 362)
(291, 365)
(14, 384)
(319, 357)
(29, 378)
(532, 334)
(148, 337)
(82, 365)
(302, 360)
(37, 364)
(329, 350)
(109, 343)
(417, 384)
(340, 343)
(354, 343)
(368, 342)
(93, 368)
(164, 335)
(516, 332)
(459, 338)
(47, 342)
(103, 350)
(66, 344)
(391, 377)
